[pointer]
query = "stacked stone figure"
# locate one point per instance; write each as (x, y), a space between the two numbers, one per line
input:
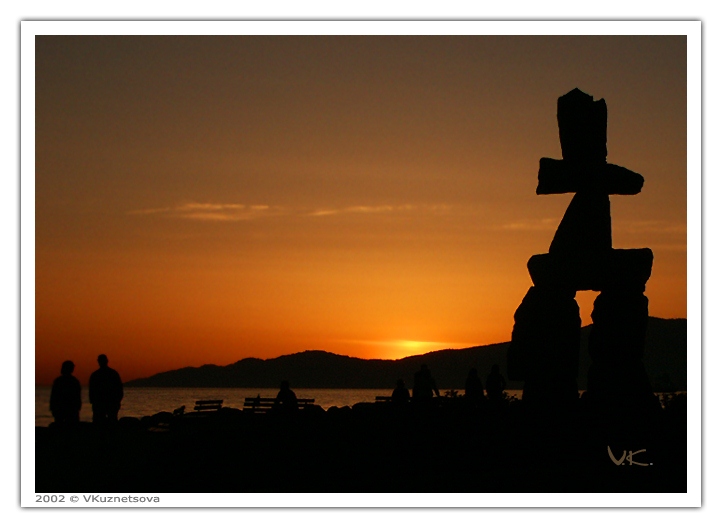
(545, 346)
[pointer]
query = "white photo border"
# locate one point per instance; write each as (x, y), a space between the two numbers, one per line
(692, 29)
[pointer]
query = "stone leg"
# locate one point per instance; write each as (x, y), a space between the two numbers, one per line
(545, 347)
(617, 379)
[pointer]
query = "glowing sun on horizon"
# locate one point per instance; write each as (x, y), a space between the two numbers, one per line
(398, 349)
(404, 348)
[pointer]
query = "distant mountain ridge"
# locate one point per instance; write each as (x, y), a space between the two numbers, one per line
(665, 361)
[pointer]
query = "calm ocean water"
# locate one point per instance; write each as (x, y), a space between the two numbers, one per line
(139, 402)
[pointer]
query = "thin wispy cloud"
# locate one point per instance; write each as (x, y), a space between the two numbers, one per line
(361, 210)
(652, 226)
(212, 212)
(529, 225)
(149, 211)
(207, 211)
(660, 235)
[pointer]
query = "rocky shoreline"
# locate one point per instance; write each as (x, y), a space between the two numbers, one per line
(450, 447)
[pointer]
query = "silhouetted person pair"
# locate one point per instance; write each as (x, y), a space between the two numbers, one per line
(424, 386)
(105, 391)
(65, 400)
(286, 401)
(495, 384)
(474, 393)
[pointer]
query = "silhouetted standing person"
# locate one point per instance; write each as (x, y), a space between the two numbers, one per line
(65, 396)
(495, 384)
(400, 395)
(424, 385)
(473, 390)
(105, 391)
(286, 401)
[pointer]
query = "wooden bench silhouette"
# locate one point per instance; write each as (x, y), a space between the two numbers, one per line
(208, 405)
(264, 404)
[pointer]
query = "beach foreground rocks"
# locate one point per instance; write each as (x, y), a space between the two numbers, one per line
(451, 447)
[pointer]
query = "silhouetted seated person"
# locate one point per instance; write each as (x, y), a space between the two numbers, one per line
(285, 401)
(105, 391)
(400, 395)
(65, 396)
(495, 384)
(473, 391)
(424, 386)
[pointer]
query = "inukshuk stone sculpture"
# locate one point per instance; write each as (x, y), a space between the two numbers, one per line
(545, 346)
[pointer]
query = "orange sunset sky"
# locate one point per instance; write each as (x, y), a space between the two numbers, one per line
(206, 199)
